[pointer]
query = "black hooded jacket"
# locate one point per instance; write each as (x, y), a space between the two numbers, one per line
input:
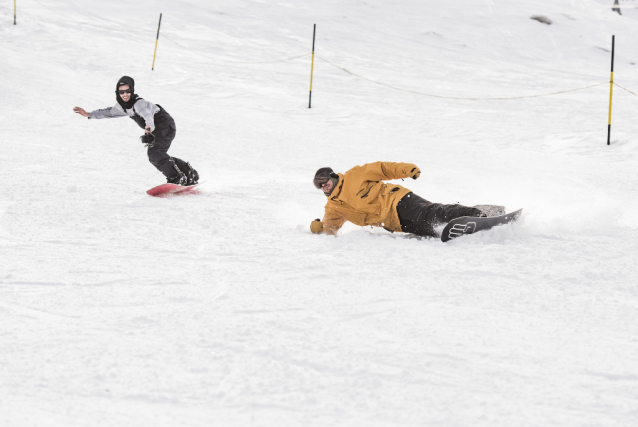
(126, 80)
(144, 113)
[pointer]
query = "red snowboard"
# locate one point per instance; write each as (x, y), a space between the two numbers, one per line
(167, 190)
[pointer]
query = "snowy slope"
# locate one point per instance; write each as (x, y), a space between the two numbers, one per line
(118, 309)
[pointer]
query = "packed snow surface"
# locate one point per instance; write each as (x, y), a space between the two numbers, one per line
(222, 309)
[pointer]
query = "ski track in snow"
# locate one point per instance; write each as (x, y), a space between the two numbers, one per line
(222, 308)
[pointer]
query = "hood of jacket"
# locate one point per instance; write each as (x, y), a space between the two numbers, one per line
(126, 80)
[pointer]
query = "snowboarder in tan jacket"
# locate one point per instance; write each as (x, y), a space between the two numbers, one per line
(360, 196)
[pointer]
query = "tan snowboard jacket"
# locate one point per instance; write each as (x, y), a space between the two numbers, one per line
(361, 198)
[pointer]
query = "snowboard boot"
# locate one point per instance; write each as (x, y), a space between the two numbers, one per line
(192, 177)
(491, 210)
(178, 178)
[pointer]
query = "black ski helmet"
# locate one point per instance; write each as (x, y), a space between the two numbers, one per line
(322, 176)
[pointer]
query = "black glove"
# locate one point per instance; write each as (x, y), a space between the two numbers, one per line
(147, 139)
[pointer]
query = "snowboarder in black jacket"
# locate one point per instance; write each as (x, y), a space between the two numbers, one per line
(159, 130)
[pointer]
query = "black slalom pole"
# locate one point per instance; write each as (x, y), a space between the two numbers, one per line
(156, 40)
(611, 88)
(312, 65)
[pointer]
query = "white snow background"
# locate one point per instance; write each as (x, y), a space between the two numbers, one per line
(222, 309)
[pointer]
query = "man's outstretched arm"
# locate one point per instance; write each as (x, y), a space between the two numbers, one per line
(331, 223)
(104, 113)
(379, 171)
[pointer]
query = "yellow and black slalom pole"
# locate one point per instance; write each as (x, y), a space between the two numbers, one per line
(312, 65)
(156, 40)
(14, 12)
(611, 88)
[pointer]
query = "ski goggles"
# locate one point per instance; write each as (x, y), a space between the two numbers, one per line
(322, 176)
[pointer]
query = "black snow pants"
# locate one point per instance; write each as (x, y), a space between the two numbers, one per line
(164, 133)
(419, 216)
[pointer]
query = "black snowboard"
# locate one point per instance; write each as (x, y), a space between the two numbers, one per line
(468, 224)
